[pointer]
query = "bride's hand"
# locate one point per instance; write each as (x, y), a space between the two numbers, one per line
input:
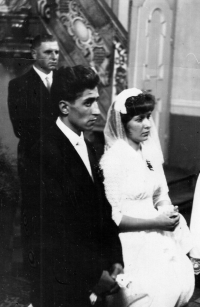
(167, 209)
(168, 223)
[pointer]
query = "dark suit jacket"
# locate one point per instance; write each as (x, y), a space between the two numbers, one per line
(69, 219)
(31, 110)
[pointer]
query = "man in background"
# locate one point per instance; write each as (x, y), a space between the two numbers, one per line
(32, 112)
(30, 106)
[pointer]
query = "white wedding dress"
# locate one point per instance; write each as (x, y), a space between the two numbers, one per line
(155, 261)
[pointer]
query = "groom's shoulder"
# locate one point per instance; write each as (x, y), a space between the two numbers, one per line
(49, 142)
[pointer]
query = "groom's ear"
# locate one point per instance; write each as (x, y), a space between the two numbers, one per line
(64, 107)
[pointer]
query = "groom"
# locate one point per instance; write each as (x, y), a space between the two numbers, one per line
(74, 245)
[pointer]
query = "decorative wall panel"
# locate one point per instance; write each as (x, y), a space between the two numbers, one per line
(150, 57)
(154, 65)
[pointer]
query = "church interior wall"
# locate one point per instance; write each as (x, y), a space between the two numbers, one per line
(184, 141)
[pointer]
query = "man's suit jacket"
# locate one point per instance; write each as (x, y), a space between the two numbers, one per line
(68, 216)
(31, 110)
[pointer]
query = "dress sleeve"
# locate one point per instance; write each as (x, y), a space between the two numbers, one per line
(161, 191)
(112, 178)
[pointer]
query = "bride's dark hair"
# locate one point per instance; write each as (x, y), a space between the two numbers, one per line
(136, 105)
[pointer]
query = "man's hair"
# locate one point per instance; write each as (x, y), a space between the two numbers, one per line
(70, 82)
(36, 42)
(137, 105)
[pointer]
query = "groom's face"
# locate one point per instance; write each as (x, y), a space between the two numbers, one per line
(83, 112)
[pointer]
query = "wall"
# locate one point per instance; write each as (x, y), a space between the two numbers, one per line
(121, 10)
(184, 143)
(185, 98)
(7, 136)
(123, 13)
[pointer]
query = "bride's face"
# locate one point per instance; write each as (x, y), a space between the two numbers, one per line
(138, 128)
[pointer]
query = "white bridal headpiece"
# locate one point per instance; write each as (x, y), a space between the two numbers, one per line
(121, 99)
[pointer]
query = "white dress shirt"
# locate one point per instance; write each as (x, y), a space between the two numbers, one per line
(43, 76)
(78, 143)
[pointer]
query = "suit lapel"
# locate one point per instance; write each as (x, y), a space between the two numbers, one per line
(39, 96)
(93, 161)
(73, 162)
(35, 78)
(37, 82)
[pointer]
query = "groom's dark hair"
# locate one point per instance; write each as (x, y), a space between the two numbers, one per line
(70, 82)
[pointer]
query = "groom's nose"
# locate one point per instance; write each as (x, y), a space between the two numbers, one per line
(95, 108)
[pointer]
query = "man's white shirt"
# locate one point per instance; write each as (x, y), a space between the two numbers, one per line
(43, 76)
(77, 142)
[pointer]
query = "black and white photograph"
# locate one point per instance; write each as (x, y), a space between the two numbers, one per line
(99, 153)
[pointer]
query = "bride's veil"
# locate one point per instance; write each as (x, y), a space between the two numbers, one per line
(114, 128)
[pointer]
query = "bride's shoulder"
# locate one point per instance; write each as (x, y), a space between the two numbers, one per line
(118, 147)
(114, 154)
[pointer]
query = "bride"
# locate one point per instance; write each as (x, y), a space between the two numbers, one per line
(154, 236)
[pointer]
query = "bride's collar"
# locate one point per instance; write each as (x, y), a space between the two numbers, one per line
(137, 150)
(135, 146)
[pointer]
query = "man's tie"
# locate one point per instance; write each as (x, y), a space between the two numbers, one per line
(48, 84)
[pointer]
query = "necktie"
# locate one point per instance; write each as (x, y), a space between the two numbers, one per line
(48, 84)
